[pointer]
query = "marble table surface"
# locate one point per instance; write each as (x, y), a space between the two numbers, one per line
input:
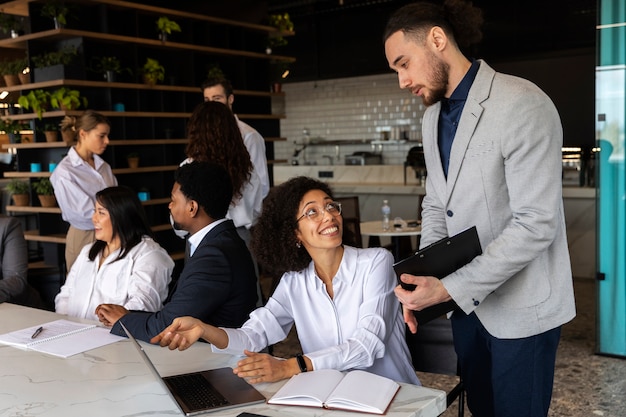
(114, 381)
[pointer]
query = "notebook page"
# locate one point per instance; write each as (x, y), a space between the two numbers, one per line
(52, 330)
(78, 342)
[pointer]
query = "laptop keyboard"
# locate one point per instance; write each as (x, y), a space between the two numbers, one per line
(196, 391)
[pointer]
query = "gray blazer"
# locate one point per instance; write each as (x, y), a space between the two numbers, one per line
(504, 177)
(14, 260)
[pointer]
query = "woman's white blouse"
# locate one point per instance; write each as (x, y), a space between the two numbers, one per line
(360, 328)
(139, 281)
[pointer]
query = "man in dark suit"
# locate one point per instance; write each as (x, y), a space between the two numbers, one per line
(218, 281)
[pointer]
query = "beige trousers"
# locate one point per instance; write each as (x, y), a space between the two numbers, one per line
(75, 241)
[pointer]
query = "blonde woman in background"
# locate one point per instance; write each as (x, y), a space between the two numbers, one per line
(79, 176)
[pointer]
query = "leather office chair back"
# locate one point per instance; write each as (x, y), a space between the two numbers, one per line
(351, 221)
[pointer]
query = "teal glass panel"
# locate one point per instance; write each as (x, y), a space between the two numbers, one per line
(611, 177)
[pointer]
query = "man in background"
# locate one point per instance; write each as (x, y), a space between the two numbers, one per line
(492, 145)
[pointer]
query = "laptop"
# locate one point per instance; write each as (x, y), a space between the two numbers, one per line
(204, 391)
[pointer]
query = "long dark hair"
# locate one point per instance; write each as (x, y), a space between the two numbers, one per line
(214, 136)
(128, 219)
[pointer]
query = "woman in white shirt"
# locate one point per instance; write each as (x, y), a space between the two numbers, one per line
(79, 176)
(123, 266)
(340, 298)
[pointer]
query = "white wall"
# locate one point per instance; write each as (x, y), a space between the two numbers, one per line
(347, 109)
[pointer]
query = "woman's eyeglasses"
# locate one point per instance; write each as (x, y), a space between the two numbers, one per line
(316, 214)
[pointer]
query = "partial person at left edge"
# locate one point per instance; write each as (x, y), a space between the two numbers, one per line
(14, 287)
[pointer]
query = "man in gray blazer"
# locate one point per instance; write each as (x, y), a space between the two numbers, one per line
(492, 145)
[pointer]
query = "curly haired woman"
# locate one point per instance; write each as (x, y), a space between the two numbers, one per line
(340, 298)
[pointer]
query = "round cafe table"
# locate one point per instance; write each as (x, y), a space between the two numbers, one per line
(399, 236)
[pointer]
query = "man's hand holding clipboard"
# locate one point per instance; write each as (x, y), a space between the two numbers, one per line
(430, 299)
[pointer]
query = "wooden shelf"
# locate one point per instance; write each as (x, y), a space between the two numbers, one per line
(109, 113)
(33, 209)
(57, 210)
(35, 145)
(160, 168)
(21, 42)
(34, 236)
(129, 86)
(26, 174)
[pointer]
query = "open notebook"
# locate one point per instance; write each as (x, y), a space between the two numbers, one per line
(204, 391)
(61, 337)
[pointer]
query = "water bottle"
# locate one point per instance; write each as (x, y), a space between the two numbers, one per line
(386, 210)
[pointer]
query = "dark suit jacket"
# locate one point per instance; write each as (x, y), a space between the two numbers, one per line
(217, 285)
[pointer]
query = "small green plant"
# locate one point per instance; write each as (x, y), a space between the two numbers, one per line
(67, 99)
(9, 23)
(50, 127)
(43, 186)
(13, 67)
(55, 10)
(37, 100)
(12, 127)
(18, 187)
(153, 71)
(64, 56)
(102, 64)
(215, 72)
(283, 23)
(166, 25)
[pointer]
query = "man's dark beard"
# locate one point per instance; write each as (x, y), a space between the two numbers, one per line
(440, 76)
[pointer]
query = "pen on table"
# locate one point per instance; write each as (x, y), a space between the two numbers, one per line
(37, 332)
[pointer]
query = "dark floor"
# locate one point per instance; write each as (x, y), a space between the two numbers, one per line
(585, 384)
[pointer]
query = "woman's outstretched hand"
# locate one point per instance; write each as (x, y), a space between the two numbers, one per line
(182, 333)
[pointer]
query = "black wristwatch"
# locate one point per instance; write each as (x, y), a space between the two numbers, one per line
(301, 363)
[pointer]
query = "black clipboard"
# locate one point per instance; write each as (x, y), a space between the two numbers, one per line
(439, 260)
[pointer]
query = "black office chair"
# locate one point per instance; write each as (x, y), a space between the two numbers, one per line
(432, 351)
(351, 221)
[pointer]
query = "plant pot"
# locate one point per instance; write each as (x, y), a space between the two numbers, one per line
(68, 136)
(133, 162)
(11, 80)
(57, 24)
(58, 72)
(51, 135)
(277, 87)
(47, 200)
(21, 199)
(163, 37)
(109, 76)
(149, 80)
(24, 78)
(14, 33)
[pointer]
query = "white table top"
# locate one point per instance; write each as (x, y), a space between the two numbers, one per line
(375, 228)
(114, 381)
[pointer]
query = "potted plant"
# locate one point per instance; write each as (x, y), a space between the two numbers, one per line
(108, 66)
(45, 192)
(13, 128)
(37, 100)
(68, 130)
(51, 131)
(152, 71)
(58, 64)
(57, 11)
(65, 98)
(284, 25)
(133, 159)
(20, 191)
(11, 69)
(215, 72)
(166, 27)
(10, 24)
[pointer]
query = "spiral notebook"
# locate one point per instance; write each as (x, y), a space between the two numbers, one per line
(63, 338)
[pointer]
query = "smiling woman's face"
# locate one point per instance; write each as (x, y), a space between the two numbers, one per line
(323, 234)
(102, 223)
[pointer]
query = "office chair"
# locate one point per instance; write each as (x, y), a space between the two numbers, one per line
(432, 351)
(351, 221)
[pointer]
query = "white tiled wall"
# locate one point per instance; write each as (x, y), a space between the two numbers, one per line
(347, 109)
